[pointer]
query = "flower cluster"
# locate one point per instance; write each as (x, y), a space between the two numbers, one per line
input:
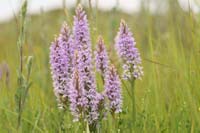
(113, 90)
(66, 41)
(77, 95)
(101, 56)
(84, 64)
(61, 56)
(72, 70)
(81, 31)
(125, 46)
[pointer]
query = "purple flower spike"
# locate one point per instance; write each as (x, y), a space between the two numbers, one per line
(84, 65)
(57, 72)
(65, 40)
(101, 56)
(74, 93)
(125, 45)
(83, 45)
(84, 104)
(113, 90)
(61, 55)
(78, 101)
(77, 95)
(81, 30)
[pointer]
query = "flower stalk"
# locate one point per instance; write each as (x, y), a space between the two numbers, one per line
(23, 79)
(130, 56)
(101, 58)
(132, 83)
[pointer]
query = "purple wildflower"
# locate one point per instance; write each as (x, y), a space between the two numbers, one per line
(77, 95)
(113, 90)
(125, 45)
(83, 45)
(84, 104)
(66, 42)
(73, 96)
(61, 54)
(78, 101)
(101, 57)
(84, 64)
(81, 30)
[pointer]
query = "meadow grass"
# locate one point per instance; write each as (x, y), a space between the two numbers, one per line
(167, 97)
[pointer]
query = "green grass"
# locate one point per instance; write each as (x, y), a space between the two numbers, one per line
(167, 98)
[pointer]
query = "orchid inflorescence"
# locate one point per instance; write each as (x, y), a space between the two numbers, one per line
(74, 76)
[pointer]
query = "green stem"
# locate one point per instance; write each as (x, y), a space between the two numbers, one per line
(115, 122)
(62, 121)
(133, 100)
(83, 123)
(88, 128)
(99, 127)
(20, 43)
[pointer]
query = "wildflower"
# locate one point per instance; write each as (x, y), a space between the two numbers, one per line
(81, 30)
(66, 42)
(84, 64)
(61, 56)
(113, 90)
(83, 46)
(78, 101)
(125, 46)
(101, 57)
